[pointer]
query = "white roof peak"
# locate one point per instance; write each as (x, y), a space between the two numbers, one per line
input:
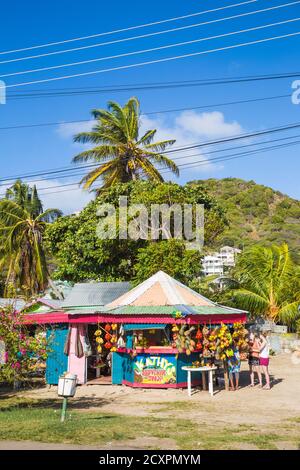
(169, 292)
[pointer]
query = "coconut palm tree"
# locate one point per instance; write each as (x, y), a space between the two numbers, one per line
(22, 253)
(269, 283)
(123, 155)
(26, 196)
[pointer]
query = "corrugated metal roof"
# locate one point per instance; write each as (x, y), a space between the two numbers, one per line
(17, 303)
(95, 294)
(161, 289)
(169, 310)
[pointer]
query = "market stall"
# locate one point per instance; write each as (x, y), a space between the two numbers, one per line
(163, 326)
(143, 337)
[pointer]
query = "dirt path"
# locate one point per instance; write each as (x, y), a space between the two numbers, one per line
(135, 444)
(251, 411)
(245, 406)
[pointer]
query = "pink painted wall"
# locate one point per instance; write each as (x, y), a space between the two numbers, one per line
(77, 364)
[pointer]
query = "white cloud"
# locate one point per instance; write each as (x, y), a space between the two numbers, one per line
(68, 199)
(190, 128)
(68, 130)
(210, 125)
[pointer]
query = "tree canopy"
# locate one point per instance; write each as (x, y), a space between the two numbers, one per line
(269, 284)
(22, 254)
(81, 255)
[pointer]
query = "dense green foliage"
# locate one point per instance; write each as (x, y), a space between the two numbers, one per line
(22, 254)
(122, 153)
(269, 284)
(257, 214)
(170, 256)
(81, 255)
(23, 352)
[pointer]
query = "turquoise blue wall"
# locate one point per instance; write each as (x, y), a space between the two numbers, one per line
(184, 360)
(57, 361)
(121, 368)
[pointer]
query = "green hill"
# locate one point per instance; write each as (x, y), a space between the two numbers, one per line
(256, 213)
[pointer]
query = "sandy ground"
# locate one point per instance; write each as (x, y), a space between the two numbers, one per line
(245, 406)
(249, 406)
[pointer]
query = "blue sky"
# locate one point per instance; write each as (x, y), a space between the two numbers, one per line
(25, 24)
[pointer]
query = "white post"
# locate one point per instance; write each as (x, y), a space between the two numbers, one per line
(189, 377)
(210, 383)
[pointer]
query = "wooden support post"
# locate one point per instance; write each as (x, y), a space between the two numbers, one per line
(226, 375)
(204, 385)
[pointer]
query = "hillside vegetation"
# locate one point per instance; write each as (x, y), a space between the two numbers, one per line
(255, 213)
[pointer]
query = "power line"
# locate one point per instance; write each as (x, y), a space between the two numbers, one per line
(173, 110)
(179, 149)
(150, 86)
(152, 49)
(143, 36)
(75, 171)
(188, 165)
(127, 29)
(151, 62)
(235, 138)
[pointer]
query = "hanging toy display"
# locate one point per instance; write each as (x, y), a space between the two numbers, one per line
(184, 342)
(110, 338)
(224, 342)
(205, 332)
(99, 340)
(240, 338)
(174, 330)
(121, 342)
(199, 337)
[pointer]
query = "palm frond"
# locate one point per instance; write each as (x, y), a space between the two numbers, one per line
(250, 301)
(160, 146)
(49, 215)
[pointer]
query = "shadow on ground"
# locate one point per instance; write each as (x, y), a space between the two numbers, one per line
(53, 403)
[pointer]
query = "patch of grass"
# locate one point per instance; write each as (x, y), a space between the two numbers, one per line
(187, 405)
(27, 419)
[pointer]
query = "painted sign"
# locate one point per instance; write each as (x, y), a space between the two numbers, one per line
(154, 370)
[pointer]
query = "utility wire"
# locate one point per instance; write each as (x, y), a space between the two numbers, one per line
(149, 86)
(152, 49)
(143, 36)
(189, 165)
(77, 171)
(173, 110)
(151, 62)
(183, 148)
(127, 29)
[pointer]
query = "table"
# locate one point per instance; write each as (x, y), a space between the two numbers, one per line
(203, 370)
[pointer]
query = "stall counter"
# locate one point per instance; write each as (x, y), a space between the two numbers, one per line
(158, 368)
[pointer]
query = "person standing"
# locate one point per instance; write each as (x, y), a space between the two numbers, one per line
(264, 358)
(253, 361)
(234, 366)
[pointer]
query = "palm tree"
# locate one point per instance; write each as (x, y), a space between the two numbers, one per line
(269, 284)
(22, 254)
(120, 151)
(26, 196)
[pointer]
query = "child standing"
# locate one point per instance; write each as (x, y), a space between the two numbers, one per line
(234, 366)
